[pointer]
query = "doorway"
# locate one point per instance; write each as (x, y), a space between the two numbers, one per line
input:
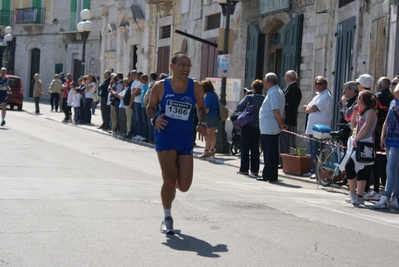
(34, 68)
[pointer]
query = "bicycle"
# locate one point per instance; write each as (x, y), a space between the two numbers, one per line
(329, 164)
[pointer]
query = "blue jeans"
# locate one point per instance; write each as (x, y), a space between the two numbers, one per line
(392, 184)
(144, 123)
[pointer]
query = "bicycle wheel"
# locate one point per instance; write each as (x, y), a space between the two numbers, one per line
(325, 165)
(234, 147)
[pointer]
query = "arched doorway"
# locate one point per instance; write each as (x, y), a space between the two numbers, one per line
(34, 68)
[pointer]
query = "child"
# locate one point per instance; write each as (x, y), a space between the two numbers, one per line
(76, 104)
(70, 101)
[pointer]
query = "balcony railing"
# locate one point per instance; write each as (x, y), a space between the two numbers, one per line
(32, 15)
(6, 18)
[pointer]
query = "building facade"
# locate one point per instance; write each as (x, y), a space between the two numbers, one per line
(338, 39)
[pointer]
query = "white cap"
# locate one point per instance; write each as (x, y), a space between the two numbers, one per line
(366, 81)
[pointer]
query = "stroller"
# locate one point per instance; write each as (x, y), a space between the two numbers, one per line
(235, 135)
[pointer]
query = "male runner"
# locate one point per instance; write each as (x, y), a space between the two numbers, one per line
(174, 124)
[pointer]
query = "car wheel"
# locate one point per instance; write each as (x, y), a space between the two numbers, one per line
(19, 107)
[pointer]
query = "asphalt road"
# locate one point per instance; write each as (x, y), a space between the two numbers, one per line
(72, 197)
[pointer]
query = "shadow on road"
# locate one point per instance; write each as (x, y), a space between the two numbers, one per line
(183, 242)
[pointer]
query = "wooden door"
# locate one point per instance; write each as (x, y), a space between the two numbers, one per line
(255, 55)
(209, 58)
(163, 59)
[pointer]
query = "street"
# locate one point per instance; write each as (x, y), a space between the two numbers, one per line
(70, 196)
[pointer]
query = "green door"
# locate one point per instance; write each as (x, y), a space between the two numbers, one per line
(292, 41)
(37, 4)
(34, 68)
(5, 13)
(254, 56)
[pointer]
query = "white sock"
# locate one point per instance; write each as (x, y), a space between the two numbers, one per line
(167, 213)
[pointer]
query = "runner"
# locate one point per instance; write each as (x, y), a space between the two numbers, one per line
(174, 125)
(3, 94)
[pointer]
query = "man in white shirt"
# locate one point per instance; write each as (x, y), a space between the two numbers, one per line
(320, 112)
(270, 124)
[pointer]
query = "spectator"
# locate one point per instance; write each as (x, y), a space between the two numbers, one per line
(37, 92)
(270, 124)
(76, 104)
(390, 142)
(113, 95)
(135, 119)
(138, 110)
(63, 80)
(365, 82)
(82, 83)
(348, 101)
(122, 108)
(128, 107)
(70, 100)
(384, 96)
(363, 123)
(393, 84)
(211, 102)
(65, 90)
(144, 120)
(103, 92)
(293, 97)
(152, 78)
(250, 136)
(54, 91)
(4, 88)
(91, 87)
(320, 112)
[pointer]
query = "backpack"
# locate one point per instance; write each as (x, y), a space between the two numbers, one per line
(223, 112)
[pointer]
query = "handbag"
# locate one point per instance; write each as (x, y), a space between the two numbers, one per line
(365, 152)
(246, 117)
(95, 97)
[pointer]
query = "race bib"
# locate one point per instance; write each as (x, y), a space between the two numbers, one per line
(177, 110)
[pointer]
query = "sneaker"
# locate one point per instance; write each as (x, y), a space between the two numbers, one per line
(309, 174)
(313, 176)
(372, 195)
(394, 203)
(382, 204)
(360, 199)
(3, 123)
(353, 199)
(167, 226)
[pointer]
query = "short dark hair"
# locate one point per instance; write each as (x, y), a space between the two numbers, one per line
(119, 75)
(153, 76)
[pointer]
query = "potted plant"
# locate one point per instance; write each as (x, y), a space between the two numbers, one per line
(297, 162)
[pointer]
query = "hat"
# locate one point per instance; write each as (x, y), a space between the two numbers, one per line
(365, 80)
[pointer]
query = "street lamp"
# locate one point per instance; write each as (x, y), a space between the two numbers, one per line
(8, 39)
(228, 7)
(84, 27)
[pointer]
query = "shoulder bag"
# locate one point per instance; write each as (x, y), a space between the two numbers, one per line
(365, 152)
(246, 117)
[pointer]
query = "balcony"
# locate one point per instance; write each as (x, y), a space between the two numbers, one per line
(6, 18)
(29, 16)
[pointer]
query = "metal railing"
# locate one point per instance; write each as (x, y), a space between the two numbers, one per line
(31, 15)
(6, 18)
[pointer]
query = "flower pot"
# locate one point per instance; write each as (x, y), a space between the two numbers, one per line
(295, 165)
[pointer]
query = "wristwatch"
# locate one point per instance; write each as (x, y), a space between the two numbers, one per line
(202, 123)
(153, 121)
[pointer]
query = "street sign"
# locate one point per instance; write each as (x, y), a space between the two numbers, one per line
(222, 65)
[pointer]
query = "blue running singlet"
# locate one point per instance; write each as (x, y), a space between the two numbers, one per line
(179, 112)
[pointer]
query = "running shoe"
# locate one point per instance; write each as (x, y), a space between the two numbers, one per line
(394, 203)
(167, 226)
(353, 199)
(372, 195)
(3, 123)
(382, 204)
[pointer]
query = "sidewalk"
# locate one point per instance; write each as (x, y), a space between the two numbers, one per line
(227, 159)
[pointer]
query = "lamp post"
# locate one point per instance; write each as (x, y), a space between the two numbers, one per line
(84, 27)
(8, 39)
(228, 7)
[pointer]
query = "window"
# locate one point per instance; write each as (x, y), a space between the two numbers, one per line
(344, 2)
(165, 32)
(212, 22)
(76, 7)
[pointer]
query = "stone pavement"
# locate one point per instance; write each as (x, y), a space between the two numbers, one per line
(227, 159)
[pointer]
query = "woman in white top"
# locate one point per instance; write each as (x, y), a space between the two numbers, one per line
(91, 87)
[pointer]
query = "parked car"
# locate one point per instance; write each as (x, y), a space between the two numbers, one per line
(16, 95)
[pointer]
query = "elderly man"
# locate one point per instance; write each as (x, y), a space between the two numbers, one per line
(320, 112)
(293, 97)
(270, 125)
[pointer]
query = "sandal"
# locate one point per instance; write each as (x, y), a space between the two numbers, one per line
(212, 152)
(205, 154)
